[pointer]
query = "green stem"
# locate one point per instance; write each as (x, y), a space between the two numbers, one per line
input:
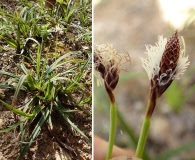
(113, 118)
(143, 138)
(146, 124)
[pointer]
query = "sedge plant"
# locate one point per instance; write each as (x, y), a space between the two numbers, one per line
(52, 67)
(47, 85)
(165, 62)
(107, 63)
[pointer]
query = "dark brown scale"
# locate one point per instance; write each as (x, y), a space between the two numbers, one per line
(171, 54)
(108, 72)
(111, 78)
(100, 67)
(168, 64)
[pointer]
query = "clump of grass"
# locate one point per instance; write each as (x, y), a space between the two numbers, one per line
(53, 66)
(33, 20)
(48, 87)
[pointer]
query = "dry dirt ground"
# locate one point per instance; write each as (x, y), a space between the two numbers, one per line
(67, 144)
(129, 25)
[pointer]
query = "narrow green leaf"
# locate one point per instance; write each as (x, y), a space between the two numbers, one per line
(9, 74)
(11, 44)
(16, 111)
(65, 117)
(13, 126)
(18, 87)
(24, 69)
(38, 65)
(34, 133)
(24, 128)
(85, 101)
(176, 151)
(31, 82)
(53, 66)
(6, 87)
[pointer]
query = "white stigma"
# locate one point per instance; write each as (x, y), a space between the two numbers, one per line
(154, 55)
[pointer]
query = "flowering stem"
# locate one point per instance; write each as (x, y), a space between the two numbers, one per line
(146, 124)
(113, 118)
(143, 138)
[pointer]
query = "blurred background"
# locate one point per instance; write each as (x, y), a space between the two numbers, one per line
(129, 25)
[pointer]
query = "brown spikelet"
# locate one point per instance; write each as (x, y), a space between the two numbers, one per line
(168, 64)
(111, 78)
(99, 66)
(171, 55)
(108, 73)
(107, 65)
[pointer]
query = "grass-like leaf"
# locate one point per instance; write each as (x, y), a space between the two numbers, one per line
(18, 87)
(65, 117)
(176, 151)
(16, 111)
(43, 74)
(13, 126)
(35, 133)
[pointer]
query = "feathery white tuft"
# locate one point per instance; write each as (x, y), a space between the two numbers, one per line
(152, 63)
(154, 55)
(108, 57)
(183, 62)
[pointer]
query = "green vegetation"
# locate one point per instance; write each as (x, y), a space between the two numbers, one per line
(47, 57)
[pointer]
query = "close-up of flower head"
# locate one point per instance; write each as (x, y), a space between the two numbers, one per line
(165, 62)
(147, 106)
(107, 63)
